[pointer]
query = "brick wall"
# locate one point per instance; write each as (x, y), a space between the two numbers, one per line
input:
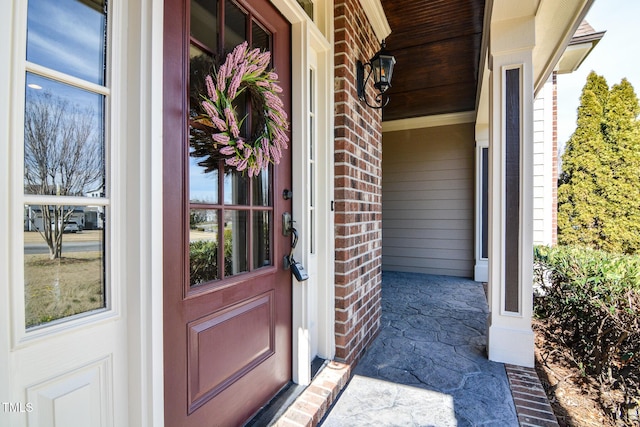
(358, 191)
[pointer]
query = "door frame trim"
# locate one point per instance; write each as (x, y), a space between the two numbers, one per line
(306, 35)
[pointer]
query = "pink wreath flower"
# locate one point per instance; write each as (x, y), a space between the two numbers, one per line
(228, 150)
(246, 69)
(221, 138)
(211, 88)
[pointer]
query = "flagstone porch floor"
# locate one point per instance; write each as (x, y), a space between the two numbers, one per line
(427, 367)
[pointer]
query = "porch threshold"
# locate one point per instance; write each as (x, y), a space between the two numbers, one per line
(277, 406)
(314, 402)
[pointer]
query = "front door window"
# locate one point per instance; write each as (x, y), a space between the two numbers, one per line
(230, 214)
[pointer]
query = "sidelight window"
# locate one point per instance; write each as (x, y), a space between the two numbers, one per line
(66, 191)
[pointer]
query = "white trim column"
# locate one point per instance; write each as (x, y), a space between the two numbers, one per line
(510, 337)
(6, 40)
(142, 111)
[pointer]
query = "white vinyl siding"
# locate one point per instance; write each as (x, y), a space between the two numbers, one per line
(543, 165)
(428, 200)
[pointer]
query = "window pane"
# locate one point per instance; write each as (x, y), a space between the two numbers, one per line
(203, 162)
(485, 203)
(312, 105)
(262, 188)
(69, 36)
(259, 37)
(312, 133)
(236, 187)
(312, 184)
(307, 5)
(235, 242)
(64, 262)
(312, 91)
(261, 241)
(312, 231)
(200, 65)
(262, 40)
(235, 26)
(204, 22)
(63, 139)
(203, 186)
(203, 246)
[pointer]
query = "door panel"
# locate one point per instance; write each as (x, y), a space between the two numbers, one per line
(227, 296)
(210, 370)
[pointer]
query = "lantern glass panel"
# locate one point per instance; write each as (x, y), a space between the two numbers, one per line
(387, 63)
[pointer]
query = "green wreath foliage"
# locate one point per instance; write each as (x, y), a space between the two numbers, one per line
(244, 70)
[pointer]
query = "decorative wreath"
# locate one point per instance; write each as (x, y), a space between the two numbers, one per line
(242, 70)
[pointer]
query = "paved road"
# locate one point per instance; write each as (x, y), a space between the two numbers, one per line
(42, 248)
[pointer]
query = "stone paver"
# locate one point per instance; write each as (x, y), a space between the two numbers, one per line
(428, 366)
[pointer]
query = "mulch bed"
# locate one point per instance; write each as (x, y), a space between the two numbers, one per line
(574, 398)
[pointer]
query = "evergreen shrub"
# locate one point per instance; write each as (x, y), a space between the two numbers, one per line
(203, 261)
(590, 301)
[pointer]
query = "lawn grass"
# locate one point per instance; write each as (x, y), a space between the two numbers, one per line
(55, 289)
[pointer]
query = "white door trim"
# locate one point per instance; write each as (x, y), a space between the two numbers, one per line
(6, 40)
(313, 300)
(144, 295)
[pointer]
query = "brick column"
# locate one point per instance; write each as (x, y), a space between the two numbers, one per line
(358, 189)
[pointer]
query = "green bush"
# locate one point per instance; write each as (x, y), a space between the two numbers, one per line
(590, 301)
(203, 261)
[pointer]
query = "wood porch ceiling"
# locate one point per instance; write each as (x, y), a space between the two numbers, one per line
(437, 46)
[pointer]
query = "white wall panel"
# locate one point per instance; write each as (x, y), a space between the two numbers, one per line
(79, 398)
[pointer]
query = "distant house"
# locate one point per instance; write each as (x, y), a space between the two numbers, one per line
(546, 154)
(94, 215)
(33, 218)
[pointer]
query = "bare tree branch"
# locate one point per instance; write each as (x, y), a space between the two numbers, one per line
(63, 156)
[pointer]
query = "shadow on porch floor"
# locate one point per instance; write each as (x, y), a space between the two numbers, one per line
(427, 367)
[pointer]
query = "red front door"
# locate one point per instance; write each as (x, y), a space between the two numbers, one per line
(227, 296)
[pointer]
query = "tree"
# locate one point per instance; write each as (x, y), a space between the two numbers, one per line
(622, 135)
(62, 157)
(598, 190)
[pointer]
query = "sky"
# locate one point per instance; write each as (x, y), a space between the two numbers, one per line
(615, 57)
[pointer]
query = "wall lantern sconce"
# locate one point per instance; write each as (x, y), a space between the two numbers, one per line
(381, 70)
